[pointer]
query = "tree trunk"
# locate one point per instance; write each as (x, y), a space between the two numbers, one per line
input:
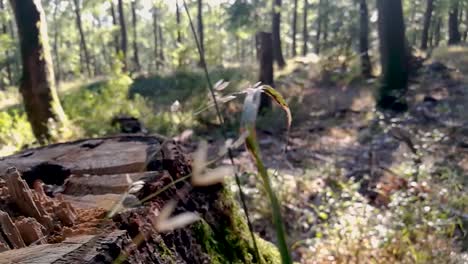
(454, 32)
(325, 24)
(201, 35)
(319, 27)
(394, 57)
(123, 33)
(116, 25)
(366, 66)
(276, 34)
(427, 24)
(155, 37)
(265, 54)
(82, 36)
(96, 185)
(58, 71)
(305, 30)
(37, 83)
(136, 58)
(178, 21)
(294, 29)
(7, 53)
(161, 44)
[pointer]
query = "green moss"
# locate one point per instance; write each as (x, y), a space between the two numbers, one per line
(229, 241)
(165, 252)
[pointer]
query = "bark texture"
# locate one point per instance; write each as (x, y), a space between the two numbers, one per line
(427, 23)
(37, 84)
(265, 58)
(123, 33)
(394, 57)
(294, 29)
(136, 57)
(91, 182)
(305, 29)
(453, 24)
(276, 34)
(83, 44)
(366, 66)
(201, 35)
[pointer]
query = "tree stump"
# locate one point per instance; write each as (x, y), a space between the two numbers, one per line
(54, 203)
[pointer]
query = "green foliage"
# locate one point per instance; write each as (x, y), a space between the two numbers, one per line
(15, 131)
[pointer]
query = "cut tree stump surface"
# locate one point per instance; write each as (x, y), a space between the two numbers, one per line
(66, 190)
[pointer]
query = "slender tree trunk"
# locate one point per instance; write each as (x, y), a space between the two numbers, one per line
(58, 71)
(305, 30)
(427, 24)
(319, 27)
(136, 58)
(454, 32)
(123, 33)
(178, 21)
(82, 36)
(294, 29)
(116, 25)
(366, 66)
(394, 57)
(265, 54)
(7, 53)
(437, 32)
(276, 25)
(326, 22)
(37, 83)
(201, 35)
(155, 37)
(161, 45)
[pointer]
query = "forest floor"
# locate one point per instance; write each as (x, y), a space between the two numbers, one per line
(359, 186)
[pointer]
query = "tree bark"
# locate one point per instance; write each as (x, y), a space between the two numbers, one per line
(116, 25)
(136, 58)
(294, 29)
(201, 35)
(7, 53)
(454, 32)
(305, 29)
(276, 34)
(394, 57)
(37, 84)
(123, 33)
(178, 21)
(94, 182)
(366, 66)
(427, 23)
(155, 37)
(58, 71)
(161, 44)
(319, 27)
(437, 32)
(82, 36)
(265, 54)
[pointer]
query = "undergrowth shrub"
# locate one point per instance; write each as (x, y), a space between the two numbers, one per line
(15, 131)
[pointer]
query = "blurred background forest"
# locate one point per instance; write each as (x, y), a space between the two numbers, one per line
(377, 166)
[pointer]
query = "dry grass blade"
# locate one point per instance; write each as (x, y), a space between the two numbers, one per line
(278, 98)
(164, 223)
(212, 177)
(250, 110)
